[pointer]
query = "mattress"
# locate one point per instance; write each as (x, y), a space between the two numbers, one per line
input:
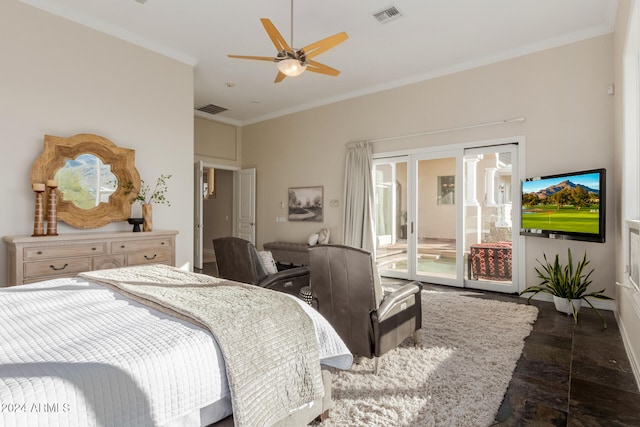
(74, 353)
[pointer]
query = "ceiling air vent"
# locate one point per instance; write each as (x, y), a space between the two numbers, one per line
(387, 15)
(212, 109)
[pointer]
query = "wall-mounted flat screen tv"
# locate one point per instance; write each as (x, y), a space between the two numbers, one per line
(565, 206)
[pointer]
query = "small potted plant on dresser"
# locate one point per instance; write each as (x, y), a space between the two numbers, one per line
(567, 284)
(147, 197)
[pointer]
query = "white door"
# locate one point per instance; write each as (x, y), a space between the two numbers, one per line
(447, 216)
(434, 218)
(491, 217)
(391, 214)
(197, 215)
(246, 204)
(417, 227)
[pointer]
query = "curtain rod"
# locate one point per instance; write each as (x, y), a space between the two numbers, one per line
(500, 122)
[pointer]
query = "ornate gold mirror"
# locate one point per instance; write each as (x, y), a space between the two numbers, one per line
(90, 171)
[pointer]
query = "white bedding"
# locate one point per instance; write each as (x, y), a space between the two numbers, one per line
(73, 353)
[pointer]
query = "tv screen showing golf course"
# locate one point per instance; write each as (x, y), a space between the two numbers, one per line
(565, 206)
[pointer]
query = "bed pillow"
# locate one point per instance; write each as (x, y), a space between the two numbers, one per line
(323, 236)
(268, 262)
(313, 239)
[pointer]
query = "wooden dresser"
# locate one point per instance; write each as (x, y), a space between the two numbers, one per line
(33, 259)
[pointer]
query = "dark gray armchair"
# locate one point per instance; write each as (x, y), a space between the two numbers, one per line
(238, 259)
(347, 292)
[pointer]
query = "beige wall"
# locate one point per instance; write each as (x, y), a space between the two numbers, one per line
(562, 92)
(217, 143)
(628, 300)
(61, 78)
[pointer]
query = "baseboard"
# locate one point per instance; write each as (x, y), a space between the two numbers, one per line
(631, 303)
(633, 359)
(208, 251)
(600, 304)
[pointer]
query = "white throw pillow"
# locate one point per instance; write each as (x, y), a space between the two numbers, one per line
(313, 239)
(323, 236)
(268, 262)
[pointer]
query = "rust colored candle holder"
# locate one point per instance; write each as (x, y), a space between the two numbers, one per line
(38, 218)
(52, 209)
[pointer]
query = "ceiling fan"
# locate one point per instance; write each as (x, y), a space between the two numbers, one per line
(293, 62)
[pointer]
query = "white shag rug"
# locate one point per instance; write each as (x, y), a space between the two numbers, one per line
(457, 375)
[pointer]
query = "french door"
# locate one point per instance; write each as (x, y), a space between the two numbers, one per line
(447, 217)
(416, 217)
(491, 216)
(391, 216)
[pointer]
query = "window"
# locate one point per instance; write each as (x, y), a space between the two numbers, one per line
(631, 145)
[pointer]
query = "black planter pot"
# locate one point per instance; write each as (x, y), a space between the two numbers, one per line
(136, 222)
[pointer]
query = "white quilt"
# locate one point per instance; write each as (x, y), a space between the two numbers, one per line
(73, 353)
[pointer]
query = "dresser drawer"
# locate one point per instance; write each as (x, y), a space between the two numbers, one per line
(36, 253)
(107, 261)
(57, 267)
(150, 256)
(140, 245)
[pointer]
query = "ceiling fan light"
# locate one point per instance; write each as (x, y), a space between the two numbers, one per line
(291, 67)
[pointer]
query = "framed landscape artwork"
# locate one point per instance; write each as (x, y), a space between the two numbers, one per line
(447, 190)
(306, 204)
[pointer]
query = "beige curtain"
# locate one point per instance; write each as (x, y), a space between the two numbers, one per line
(358, 191)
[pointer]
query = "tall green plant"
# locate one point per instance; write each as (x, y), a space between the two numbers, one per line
(564, 281)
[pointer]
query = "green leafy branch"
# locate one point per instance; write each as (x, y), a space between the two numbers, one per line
(145, 195)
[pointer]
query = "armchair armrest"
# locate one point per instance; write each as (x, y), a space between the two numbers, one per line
(277, 279)
(388, 307)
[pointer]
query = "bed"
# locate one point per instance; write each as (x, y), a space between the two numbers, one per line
(83, 351)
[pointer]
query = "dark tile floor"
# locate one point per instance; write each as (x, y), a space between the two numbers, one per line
(572, 374)
(568, 374)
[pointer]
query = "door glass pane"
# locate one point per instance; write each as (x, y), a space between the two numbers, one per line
(436, 218)
(488, 219)
(391, 216)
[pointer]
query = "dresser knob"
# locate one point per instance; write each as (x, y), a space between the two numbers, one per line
(94, 249)
(39, 252)
(58, 269)
(150, 258)
(121, 246)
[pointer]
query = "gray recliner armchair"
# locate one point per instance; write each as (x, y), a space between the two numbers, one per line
(346, 290)
(238, 259)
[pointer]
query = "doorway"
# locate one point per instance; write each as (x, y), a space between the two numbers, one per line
(217, 211)
(446, 216)
(214, 207)
(416, 216)
(490, 218)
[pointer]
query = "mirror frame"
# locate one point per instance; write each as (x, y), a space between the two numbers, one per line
(58, 150)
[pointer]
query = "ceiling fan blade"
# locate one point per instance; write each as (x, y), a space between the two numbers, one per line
(323, 45)
(317, 67)
(279, 77)
(276, 38)
(259, 58)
